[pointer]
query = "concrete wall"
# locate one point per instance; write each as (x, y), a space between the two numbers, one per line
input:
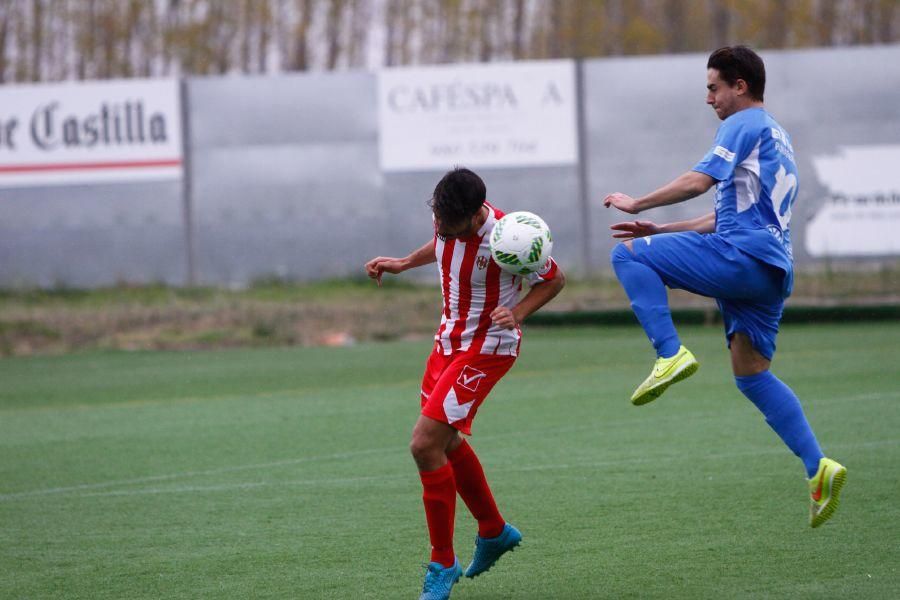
(285, 179)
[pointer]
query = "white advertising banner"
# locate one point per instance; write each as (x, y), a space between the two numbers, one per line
(493, 115)
(105, 131)
(861, 216)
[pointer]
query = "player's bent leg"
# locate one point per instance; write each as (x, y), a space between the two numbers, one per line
(825, 490)
(784, 414)
(745, 359)
(649, 300)
(645, 269)
(666, 371)
(439, 580)
(430, 438)
(776, 401)
(473, 488)
(489, 550)
(495, 536)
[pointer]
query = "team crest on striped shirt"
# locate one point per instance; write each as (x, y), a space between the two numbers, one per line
(481, 262)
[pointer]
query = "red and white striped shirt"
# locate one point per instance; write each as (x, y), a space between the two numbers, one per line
(473, 286)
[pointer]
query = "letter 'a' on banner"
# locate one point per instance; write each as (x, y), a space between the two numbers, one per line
(517, 114)
(95, 132)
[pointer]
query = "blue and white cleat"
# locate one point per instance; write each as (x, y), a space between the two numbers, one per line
(439, 580)
(489, 550)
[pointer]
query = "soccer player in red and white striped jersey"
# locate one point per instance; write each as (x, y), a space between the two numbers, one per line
(476, 344)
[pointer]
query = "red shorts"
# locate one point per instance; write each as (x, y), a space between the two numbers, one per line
(455, 385)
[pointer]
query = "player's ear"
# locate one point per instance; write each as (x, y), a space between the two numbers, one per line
(741, 87)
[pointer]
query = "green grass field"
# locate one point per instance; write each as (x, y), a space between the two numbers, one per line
(285, 473)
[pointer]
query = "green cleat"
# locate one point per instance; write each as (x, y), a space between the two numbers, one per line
(825, 490)
(666, 371)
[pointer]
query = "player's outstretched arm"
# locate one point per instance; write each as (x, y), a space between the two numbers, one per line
(629, 230)
(703, 224)
(684, 187)
(539, 295)
(379, 265)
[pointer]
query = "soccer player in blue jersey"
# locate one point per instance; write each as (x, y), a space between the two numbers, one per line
(739, 254)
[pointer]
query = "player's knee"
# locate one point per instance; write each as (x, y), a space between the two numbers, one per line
(417, 447)
(622, 252)
(423, 449)
(746, 360)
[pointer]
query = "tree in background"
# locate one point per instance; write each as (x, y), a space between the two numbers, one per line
(53, 40)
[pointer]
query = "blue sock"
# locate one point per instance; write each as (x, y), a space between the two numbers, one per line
(649, 301)
(783, 413)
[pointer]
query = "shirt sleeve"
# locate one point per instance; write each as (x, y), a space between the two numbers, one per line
(545, 273)
(734, 143)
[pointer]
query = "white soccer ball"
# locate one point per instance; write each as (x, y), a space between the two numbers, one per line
(521, 243)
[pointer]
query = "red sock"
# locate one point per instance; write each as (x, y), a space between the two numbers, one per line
(473, 489)
(439, 496)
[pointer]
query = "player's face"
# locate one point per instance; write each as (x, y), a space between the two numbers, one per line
(456, 230)
(465, 228)
(722, 97)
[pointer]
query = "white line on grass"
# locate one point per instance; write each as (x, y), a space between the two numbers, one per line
(566, 429)
(225, 487)
(380, 478)
(599, 426)
(229, 469)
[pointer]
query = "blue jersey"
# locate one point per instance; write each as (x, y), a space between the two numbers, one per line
(753, 162)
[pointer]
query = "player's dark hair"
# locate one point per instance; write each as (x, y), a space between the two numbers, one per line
(457, 196)
(740, 62)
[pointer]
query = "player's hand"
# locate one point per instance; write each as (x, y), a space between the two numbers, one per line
(635, 229)
(504, 317)
(376, 267)
(623, 202)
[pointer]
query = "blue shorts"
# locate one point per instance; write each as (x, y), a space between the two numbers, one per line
(748, 291)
